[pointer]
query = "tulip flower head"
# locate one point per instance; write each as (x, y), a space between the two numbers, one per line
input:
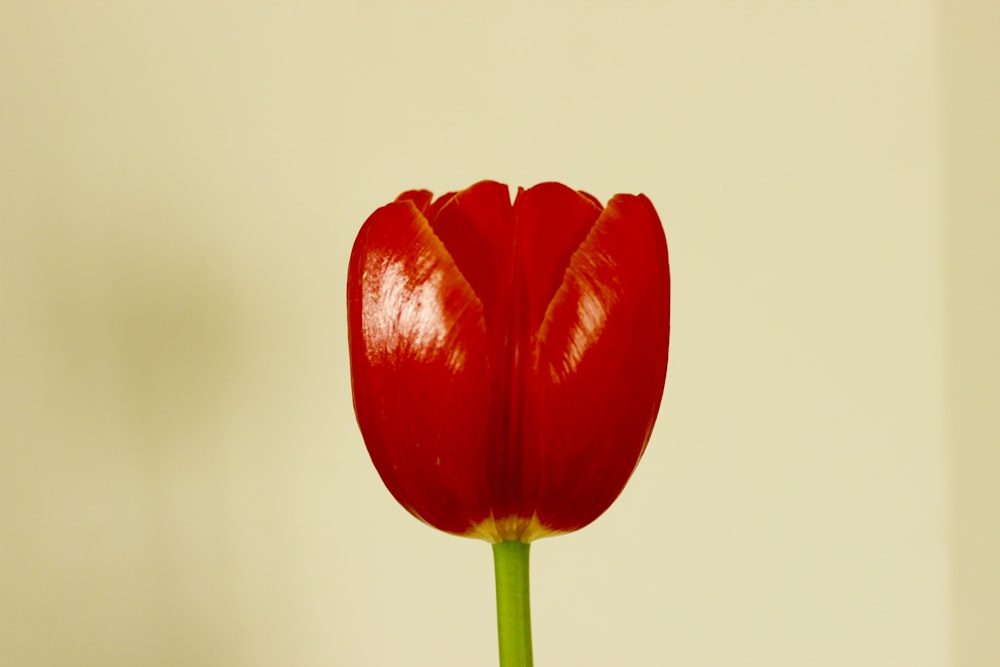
(508, 358)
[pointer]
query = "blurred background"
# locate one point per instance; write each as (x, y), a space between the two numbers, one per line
(181, 478)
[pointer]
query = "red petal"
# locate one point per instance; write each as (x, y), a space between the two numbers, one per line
(432, 210)
(422, 392)
(476, 226)
(600, 364)
(508, 361)
(597, 202)
(552, 222)
(420, 198)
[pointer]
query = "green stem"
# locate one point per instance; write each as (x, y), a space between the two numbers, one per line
(510, 564)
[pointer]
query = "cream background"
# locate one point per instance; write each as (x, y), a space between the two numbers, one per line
(181, 478)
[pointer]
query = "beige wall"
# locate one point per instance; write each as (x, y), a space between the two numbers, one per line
(181, 479)
(972, 224)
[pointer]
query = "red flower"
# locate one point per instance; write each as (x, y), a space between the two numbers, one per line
(508, 361)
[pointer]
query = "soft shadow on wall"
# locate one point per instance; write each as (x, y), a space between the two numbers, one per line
(971, 94)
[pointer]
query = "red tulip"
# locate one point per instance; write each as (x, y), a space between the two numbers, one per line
(508, 360)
